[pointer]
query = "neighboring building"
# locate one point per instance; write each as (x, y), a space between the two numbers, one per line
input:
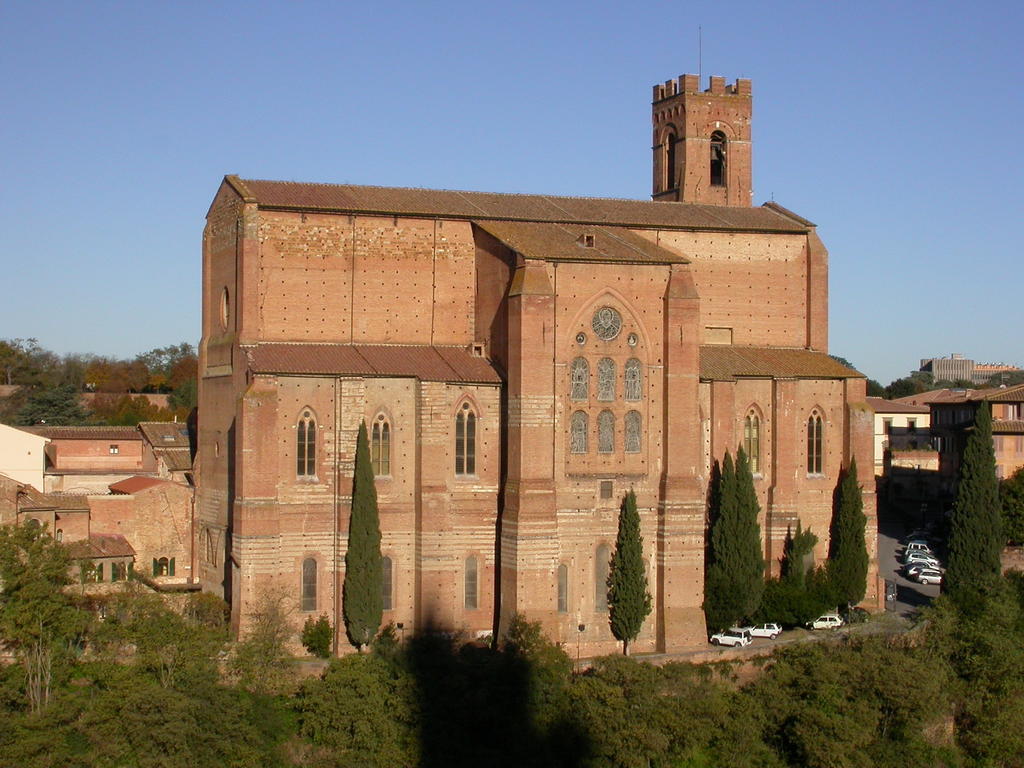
(170, 448)
(953, 412)
(899, 428)
(22, 455)
(88, 459)
(521, 362)
(958, 368)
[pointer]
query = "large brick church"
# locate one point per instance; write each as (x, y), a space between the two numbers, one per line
(521, 362)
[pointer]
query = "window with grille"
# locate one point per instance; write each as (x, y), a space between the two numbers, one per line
(632, 425)
(578, 432)
(305, 446)
(606, 379)
(633, 380)
(605, 432)
(580, 390)
(471, 584)
(752, 441)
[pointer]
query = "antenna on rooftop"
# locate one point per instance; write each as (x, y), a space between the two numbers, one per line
(700, 54)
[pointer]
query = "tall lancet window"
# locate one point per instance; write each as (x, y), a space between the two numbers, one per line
(605, 432)
(632, 429)
(580, 379)
(305, 446)
(815, 444)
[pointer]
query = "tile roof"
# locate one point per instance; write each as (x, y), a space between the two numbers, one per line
(564, 242)
(953, 396)
(428, 363)
(135, 484)
(61, 502)
(101, 545)
(85, 433)
(348, 198)
(175, 459)
(1008, 426)
(881, 405)
(1007, 395)
(724, 363)
(165, 434)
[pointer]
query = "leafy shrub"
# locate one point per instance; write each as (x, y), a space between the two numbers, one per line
(316, 636)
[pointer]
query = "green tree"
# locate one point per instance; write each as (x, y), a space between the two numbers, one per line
(316, 636)
(1011, 498)
(848, 550)
(261, 662)
(38, 620)
(734, 576)
(975, 533)
(363, 589)
(629, 602)
(57, 407)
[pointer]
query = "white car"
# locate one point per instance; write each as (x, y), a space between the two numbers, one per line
(911, 570)
(928, 576)
(764, 630)
(827, 621)
(918, 545)
(732, 637)
(916, 557)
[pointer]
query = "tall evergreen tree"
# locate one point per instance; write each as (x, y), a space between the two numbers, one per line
(363, 589)
(734, 573)
(975, 535)
(629, 602)
(848, 550)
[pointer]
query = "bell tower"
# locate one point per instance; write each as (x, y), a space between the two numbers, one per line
(702, 141)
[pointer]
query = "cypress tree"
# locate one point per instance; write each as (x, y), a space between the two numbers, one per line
(975, 534)
(734, 573)
(848, 551)
(362, 593)
(629, 602)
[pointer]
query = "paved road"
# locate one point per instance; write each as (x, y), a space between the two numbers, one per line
(911, 596)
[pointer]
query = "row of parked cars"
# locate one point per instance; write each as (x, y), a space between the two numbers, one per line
(920, 563)
(742, 636)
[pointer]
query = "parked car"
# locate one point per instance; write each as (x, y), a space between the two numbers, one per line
(920, 557)
(917, 546)
(929, 576)
(912, 569)
(765, 630)
(734, 637)
(826, 621)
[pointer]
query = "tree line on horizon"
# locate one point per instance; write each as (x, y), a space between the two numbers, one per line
(88, 389)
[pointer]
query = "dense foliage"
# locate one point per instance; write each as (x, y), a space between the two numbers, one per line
(363, 591)
(848, 552)
(975, 532)
(92, 389)
(317, 635)
(629, 602)
(1011, 499)
(734, 574)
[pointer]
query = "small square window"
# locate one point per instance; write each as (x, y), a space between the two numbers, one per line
(115, 449)
(606, 489)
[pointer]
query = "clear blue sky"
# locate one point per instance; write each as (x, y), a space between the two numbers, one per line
(894, 126)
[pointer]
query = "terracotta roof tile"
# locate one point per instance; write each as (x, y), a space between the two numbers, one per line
(85, 433)
(165, 434)
(724, 362)
(345, 198)
(565, 242)
(1009, 426)
(1008, 395)
(135, 484)
(881, 405)
(175, 459)
(428, 363)
(101, 545)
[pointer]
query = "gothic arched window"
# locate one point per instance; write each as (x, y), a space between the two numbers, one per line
(632, 427)
(752, 441)
(815, 443)
(578, 432)
(308, 592)
(465, 441)
(634, 386)
(606, 379)
(580, 379)
(601, 562)
(717, 159)
(563, 588)
(380, 447)
(386, 581)
(471, 583)
(305, 446)
(605, 432)
(670, 160)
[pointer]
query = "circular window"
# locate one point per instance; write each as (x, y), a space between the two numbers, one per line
(607, 323)
(632, 340)
(225, 307)
(581, 338)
